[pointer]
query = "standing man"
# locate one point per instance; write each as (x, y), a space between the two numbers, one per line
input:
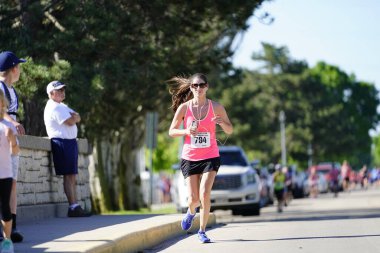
(60, 123)
(10, 74)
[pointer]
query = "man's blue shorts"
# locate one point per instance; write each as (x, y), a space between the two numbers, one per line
(65, 156)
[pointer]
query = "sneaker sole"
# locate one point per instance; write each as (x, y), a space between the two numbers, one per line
(186, 229)
(16, 237)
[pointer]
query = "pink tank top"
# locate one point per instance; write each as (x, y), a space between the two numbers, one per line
(204, 145)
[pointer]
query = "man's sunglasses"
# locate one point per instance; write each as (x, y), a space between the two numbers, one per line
(200, 85)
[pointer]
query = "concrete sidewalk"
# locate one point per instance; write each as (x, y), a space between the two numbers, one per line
(101, 233)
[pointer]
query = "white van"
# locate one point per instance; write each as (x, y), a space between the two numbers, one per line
(237, 185)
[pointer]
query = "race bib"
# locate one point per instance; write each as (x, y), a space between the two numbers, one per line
(201, 140)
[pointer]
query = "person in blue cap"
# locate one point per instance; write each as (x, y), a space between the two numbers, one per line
(9, 74)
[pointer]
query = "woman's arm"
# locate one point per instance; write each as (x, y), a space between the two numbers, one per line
(221, 118)
(14, 148)
(20, 128)
(174, 130)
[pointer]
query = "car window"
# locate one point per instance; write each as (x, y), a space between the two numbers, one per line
(232, 158)
(323, 171)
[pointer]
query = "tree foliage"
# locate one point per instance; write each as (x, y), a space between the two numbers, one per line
(120, 53)
(324, 107)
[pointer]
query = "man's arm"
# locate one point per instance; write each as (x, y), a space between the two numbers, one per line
(75, 118)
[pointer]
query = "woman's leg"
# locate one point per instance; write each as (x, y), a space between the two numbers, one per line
(207, 181)
(193, 190)
(5, 195)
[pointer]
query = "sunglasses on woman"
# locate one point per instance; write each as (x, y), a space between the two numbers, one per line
(200, 85)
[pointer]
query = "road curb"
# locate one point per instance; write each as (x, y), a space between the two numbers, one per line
(146, 238)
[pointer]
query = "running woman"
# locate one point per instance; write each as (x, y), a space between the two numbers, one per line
(200, 158)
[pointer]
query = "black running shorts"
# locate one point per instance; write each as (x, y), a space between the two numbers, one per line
(189, 168)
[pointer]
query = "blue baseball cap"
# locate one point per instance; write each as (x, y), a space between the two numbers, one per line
(9, 60)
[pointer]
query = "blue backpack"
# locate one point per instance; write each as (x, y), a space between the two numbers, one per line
(8, 96)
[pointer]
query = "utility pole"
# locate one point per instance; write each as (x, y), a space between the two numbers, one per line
(283, 138)
(151, 143)
(310, 153)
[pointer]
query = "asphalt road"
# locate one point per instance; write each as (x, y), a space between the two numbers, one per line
(347, 224)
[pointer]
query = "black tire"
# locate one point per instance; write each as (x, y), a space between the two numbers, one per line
(248, 210)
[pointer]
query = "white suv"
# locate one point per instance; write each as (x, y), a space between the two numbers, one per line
(237, 185)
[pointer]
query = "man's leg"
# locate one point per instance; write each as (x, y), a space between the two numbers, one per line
(69, 186)
(75, 210)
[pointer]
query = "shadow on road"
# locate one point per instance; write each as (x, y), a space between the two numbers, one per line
(300, 238)
(313, 216)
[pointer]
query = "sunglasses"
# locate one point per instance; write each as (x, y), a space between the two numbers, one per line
(200, 85)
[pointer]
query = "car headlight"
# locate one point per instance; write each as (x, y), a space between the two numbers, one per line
(251, 179)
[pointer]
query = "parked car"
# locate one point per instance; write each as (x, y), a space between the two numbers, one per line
(324, 169)
(236, 187)
(267, 186)
(323, 185)
(301, 187)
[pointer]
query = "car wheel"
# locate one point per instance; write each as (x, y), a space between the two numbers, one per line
(253, 209)
(236, 211)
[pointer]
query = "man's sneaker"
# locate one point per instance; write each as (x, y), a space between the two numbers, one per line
(7, 246)
(187, 221)
(16, 236)
(203, 237)
(77, 212)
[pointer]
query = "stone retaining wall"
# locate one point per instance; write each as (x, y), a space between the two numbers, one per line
(39, 191)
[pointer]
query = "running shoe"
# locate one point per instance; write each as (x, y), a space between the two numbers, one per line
(7, 246)
(187, 221)
(203, 237)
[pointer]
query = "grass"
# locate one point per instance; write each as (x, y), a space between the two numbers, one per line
(165, 209)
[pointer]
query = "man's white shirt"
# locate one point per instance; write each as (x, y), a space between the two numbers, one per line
(55, 115)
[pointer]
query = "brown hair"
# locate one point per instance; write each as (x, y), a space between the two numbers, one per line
(180, 89)
(4, 104)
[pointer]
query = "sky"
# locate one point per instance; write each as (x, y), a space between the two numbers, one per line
(344, 33)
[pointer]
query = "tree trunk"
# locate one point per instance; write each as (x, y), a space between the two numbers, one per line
(117, 163)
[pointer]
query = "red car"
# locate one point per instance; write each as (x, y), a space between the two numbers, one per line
(325, 169)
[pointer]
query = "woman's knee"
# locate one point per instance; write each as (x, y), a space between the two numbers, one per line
(204, 196)
(193, 199)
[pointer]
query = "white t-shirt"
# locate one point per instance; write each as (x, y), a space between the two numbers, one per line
(13, 103)
(54, 116)
(5, 152)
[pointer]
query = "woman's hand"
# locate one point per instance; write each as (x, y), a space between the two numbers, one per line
(192, 131)
(20, 128)
(218, 120)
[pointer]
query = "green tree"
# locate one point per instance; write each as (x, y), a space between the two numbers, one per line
(120, 53)
(342, 112)
(323, 106)
(376, 151)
